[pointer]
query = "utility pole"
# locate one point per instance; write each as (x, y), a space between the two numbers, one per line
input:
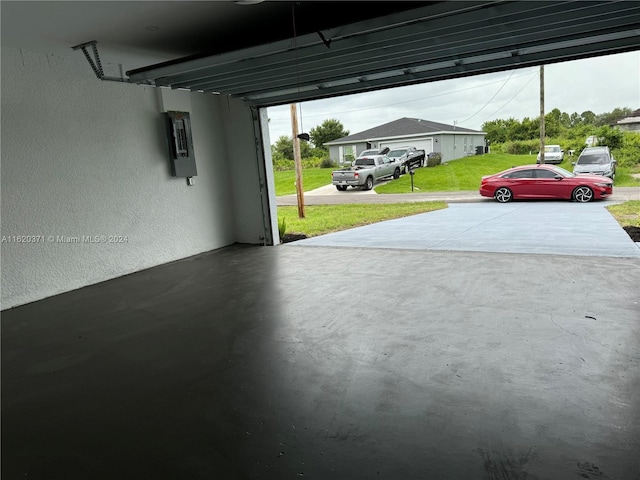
(541, 114)
(297, 159)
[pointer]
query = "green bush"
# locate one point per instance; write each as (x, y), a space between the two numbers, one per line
(629, 154)
(434, 159)
(282, 164)
(519, 147)
(327, 163)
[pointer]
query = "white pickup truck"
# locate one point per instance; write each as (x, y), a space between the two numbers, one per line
(365, 172)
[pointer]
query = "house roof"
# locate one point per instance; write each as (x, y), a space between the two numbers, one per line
(634, 117)
(402, 127)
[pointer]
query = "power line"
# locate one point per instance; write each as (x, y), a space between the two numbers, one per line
(517, 93)
(406, 101)
(488, 102)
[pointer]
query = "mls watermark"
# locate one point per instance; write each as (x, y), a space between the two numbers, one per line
(65, 239)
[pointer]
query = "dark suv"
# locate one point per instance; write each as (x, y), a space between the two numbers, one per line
(596, 161)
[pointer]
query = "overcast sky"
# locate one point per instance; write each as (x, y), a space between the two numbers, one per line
(597, 84)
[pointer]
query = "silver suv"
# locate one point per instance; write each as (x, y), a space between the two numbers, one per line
(596, 161)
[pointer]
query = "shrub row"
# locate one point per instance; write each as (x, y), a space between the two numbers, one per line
(312, 162)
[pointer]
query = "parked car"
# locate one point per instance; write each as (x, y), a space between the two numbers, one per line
(597, 161)
(544, 182)
(552, 154)
(408, 157)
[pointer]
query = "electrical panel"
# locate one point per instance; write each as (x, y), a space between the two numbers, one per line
(181, 155)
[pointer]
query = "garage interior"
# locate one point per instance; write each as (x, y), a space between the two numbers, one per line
(201, 348)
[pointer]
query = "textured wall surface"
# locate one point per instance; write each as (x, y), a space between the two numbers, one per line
(85, 160)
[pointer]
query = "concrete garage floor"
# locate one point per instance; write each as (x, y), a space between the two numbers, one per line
(329, 362)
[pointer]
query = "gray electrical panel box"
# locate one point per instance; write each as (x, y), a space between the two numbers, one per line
(181, 155)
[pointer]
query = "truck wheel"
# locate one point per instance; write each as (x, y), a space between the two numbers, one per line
(396, 174)
(341, 188)
(368, 183)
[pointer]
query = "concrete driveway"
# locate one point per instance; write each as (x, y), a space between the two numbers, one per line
(549, 227)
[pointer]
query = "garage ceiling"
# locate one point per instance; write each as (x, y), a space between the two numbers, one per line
(273, 52)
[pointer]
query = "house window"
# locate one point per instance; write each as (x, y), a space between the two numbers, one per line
(347, 154)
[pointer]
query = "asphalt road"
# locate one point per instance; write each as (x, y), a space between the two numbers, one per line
(329, 195)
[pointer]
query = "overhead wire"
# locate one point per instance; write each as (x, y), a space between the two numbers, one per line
(489, 101)
(414, 100)
(534, 75)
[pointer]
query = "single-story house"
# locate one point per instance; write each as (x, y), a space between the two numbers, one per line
(450, 141)
(630, 123)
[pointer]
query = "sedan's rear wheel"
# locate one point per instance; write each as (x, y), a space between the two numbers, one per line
(396, 174)
(503, 195)
(583, 194)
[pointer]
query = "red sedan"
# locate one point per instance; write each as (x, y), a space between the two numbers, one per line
(544, 182)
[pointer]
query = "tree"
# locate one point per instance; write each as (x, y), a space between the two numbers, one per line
(283, 148)
(552, 123)
(576, 119)
(496, 131)
(612, 137)
(327, 131)
(588, 118)
(612, 117)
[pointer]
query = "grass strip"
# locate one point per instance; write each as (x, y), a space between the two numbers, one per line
(627, 214)
(323, 219)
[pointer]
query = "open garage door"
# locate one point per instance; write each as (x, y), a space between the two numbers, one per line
(425, 144)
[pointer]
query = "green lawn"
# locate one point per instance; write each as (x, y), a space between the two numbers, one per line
(627, 214)
(465, 174)
(462, 174)
(312, 178)
(322, 219)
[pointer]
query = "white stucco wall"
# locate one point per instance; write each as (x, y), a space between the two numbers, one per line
(81, 157)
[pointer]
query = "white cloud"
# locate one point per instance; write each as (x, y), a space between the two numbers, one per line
(598, 84)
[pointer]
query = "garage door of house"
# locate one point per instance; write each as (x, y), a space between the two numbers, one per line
(425, 144)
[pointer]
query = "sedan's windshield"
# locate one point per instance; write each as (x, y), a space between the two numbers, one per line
(551, 149)
(596, 159)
